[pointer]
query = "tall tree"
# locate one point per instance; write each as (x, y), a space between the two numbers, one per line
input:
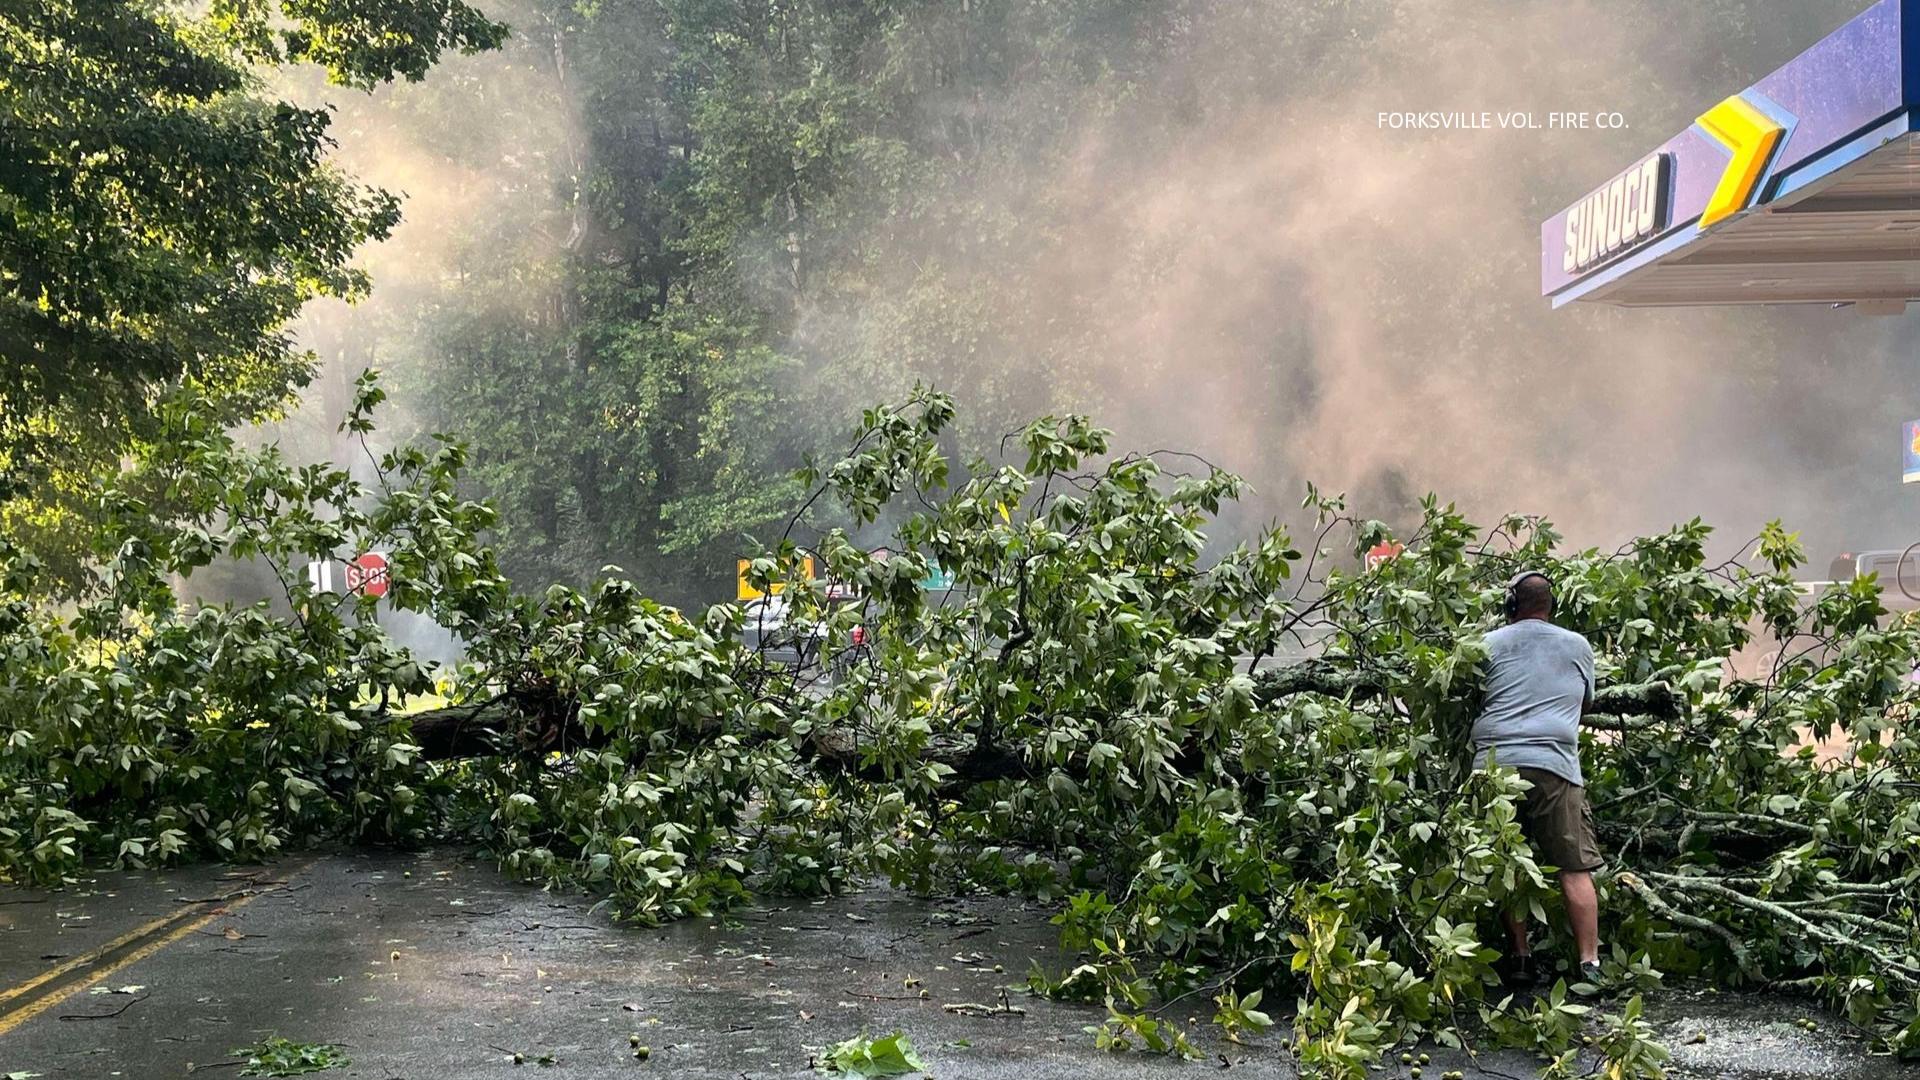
(160, 221)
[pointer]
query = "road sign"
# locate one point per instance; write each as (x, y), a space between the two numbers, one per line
(1378, 554)
(743, 591)
(367, 574)
(1910, 453)
(937, 579)
(320, 575)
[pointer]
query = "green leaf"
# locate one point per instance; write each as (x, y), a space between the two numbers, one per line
(892, 1055)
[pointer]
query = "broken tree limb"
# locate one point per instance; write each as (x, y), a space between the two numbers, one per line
(457, 731)
(1903, 972)
(1756, 821)
(1864, 922)
(1621, 707)
(837, 752)
(1609, 722)
(528, 723)
(512, 723)
(1649, 699)
(1660, 907)
(1334, 676)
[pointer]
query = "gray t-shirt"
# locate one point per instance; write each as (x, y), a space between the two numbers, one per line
(1537, 678)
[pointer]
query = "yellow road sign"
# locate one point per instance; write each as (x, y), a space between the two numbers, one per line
(744, 591)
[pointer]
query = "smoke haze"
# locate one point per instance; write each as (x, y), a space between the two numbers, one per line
(1231, 256)
(1279, 283)
(486, 138)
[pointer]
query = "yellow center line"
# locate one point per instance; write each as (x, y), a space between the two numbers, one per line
(183, 922)
(89, 957)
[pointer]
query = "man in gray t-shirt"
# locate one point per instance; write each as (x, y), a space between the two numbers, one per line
(1538, 684)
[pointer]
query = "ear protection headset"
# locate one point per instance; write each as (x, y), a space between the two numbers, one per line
(1511, 605)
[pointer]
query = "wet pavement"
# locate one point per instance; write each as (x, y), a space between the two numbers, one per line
(433, 966)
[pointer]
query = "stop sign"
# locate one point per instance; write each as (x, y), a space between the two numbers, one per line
(1378, 554)
(367, 575)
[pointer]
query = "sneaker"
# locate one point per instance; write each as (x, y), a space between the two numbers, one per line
(1518, 972)
(1591, 978)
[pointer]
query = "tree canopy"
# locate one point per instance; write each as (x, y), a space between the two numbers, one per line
(161, 220)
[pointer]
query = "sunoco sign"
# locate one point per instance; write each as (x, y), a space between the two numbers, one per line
(1621, 215)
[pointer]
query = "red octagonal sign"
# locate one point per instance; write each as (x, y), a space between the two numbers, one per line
(367, 575)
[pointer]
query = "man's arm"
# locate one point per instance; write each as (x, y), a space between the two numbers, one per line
(1586, 674)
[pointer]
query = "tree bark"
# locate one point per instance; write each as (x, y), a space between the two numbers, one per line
(516, 723)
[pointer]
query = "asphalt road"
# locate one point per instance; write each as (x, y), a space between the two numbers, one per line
(431, 966)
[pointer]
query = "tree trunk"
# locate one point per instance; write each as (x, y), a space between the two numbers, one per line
(530, 722)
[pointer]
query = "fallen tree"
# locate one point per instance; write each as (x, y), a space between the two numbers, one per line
(1239, 770)
(523, 723)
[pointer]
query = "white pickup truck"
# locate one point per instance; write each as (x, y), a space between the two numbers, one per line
(1898, 573)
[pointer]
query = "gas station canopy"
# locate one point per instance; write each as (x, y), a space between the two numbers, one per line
(1803, 188)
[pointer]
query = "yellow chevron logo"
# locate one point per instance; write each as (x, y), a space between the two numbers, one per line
(1751, 135)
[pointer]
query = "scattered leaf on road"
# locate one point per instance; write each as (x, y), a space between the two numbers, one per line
(860, 1056)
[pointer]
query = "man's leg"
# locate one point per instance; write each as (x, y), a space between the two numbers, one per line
(1583, 911)
(1516, 968)
(1517, 934)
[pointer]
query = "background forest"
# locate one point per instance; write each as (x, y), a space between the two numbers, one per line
(649, 256)
(655, 253)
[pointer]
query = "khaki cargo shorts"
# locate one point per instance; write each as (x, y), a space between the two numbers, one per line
(1558, 823)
